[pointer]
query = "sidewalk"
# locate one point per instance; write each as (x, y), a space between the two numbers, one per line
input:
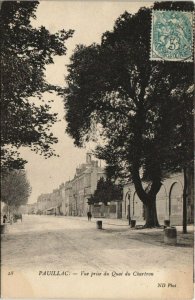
(114, 222)
(122, 222)
(153, 236)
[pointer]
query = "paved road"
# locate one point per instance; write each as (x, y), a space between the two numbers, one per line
(49, 242)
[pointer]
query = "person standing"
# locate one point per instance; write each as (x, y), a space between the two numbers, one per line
(89, 215)
(4, 219)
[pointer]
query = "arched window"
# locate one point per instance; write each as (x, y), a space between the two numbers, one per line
(175, 198)
(162, 204)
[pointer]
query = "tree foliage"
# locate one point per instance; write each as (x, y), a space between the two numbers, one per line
(25, 51)
(15, 188)
(144, 108)
(106, 191)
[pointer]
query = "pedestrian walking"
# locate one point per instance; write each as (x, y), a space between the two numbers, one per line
(89, 215)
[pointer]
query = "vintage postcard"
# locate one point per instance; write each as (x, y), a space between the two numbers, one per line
(97, 179)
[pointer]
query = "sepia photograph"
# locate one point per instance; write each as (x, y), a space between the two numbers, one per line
(97, 150)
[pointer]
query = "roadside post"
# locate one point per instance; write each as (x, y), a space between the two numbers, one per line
(170, 236)
(99, 224)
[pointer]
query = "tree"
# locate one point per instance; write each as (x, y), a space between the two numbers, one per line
(25, 52)
(106, 191)
(15, 188)
(132, 102)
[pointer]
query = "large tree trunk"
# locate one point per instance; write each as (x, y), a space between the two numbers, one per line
(148, 198)
(151, 214)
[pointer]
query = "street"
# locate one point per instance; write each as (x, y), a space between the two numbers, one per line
(49, 242)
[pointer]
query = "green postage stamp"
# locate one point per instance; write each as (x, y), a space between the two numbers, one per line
(172, 35)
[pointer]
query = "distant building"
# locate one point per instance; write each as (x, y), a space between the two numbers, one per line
(81, 187)
(23, 209)
(71, 198)
(169, 201)
(31, 208)
(43, 202)
(51, 203)
(67, 199)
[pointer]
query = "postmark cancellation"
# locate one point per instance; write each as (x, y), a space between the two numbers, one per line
(172, 36)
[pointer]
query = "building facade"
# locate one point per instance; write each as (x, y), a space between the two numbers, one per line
(71, 197)
(169, 201)
(81, 187)
(51, 203)
(67, 199)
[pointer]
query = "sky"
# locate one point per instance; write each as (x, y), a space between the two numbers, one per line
(89, 19)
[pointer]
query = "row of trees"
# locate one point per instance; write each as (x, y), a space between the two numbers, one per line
(142, 109)
(26, 118)
(15, 189)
